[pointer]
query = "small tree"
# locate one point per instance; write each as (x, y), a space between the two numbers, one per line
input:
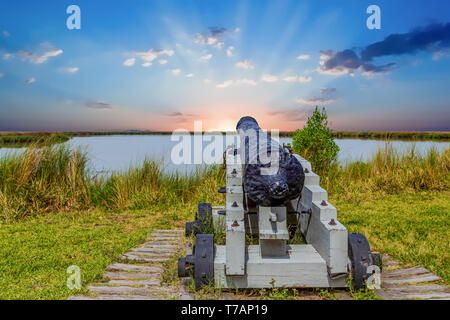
(315, 141)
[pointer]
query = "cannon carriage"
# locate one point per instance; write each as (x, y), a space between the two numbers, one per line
(273, 200)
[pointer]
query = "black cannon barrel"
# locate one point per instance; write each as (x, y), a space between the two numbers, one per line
(272, 175)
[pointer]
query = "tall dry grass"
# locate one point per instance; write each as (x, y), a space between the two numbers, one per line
(389, 172)
(55, 178)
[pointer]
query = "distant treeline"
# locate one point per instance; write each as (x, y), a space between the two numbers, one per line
(395, 135)
(23, 139)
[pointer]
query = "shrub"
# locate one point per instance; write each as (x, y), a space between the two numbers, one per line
(315, 141)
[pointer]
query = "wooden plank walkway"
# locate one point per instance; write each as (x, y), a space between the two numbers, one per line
(138, 276)
(409, 283)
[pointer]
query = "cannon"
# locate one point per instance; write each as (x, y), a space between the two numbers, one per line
(273, 195)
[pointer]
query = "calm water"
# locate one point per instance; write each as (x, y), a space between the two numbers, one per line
(108, 153)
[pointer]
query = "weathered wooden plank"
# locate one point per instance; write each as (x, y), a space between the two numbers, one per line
(415, 288)
(120, 290)
(151, 254)
(155, 250)
(404, 272)
(132, 282)
(422, 296)
(116, 297)
(160, 246)
(130, 275)
(131, 267)
(169, 231)
(428, 277)
(136, 257)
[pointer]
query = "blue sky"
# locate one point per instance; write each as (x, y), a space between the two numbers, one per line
(160, 65)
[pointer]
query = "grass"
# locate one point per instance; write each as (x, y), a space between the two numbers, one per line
(35, 253)
(54, 213)
(20, 140)
(384, 135)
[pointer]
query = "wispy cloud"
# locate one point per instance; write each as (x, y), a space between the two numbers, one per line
(303, 57)
(1, 74)
(70, 69)
(269, 78)
(7, 56)
(163, 61)
(175, 72)
(229, 83)
(304, 79)
(314, 101)
(152, 54)
(98, 105)
(5, 33)
(326, 97)
(189, 75)
(129, 62)
(230, 50)
(206, 57)
(45, 52)
(245, 64)
(30, 81)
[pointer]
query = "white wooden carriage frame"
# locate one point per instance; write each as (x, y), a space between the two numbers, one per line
(321, 263)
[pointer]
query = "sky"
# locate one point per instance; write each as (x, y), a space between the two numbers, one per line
(161, 65)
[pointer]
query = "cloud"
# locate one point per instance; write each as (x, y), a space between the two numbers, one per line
(304, 79)
(30, 80)
(219, 45)
(290, 79)
(129, 62)
(433, 38)
(45, 52)
(225, 84)
(229, 83)
(189, 75)
(314, 101)
(98, 105)
(174, 114)
(230, 51)
(301, 79)
(326, 97)
(245, 64)
(214, 37)
(327, 91)
(70, 69)
(269, 78)
(296, 114)
(206, 57)
(152, 54)
(175, 72)
(246, 81)
(163, 61)
(5, 33)
(7, 56)
(303, 57)
(147, 64)
(1, 74)
(180, 117)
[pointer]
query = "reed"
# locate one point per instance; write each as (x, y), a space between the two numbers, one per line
(55, 178)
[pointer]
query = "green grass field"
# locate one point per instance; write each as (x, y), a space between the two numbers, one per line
(53, 214)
